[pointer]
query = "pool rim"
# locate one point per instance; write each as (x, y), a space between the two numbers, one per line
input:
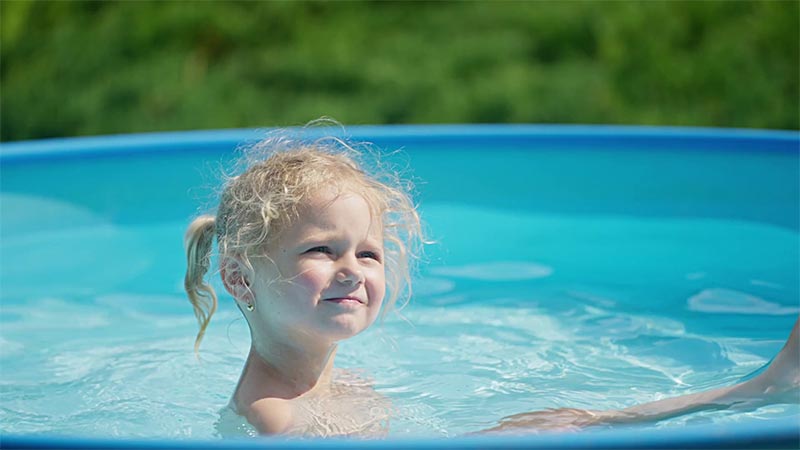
(776, 434)
(600, 136)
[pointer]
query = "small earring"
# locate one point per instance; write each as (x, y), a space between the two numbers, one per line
(251, 306)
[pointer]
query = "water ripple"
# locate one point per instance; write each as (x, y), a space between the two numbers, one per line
(497, 271)
(728, 301)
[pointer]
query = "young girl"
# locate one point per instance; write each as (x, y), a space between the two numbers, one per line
(312, 249)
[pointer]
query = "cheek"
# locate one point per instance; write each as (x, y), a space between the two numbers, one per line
(310, 281)
(377, 286)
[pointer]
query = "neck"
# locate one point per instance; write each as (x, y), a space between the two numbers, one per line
(286, 371)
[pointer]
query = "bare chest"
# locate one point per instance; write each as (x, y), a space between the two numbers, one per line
(349, 409)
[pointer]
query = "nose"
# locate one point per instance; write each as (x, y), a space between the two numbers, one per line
(350, 275)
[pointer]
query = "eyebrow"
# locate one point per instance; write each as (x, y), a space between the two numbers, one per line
(332, 237)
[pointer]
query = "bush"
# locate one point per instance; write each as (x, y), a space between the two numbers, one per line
(83, 68)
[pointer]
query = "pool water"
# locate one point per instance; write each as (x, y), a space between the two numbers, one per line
(587, 278)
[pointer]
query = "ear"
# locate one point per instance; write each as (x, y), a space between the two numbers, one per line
(237, 277)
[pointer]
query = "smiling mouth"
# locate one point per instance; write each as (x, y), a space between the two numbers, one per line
(345, 300)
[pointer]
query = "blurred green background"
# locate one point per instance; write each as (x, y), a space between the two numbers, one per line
(74, 68)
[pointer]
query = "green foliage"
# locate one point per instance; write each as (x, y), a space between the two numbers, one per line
(81, 68)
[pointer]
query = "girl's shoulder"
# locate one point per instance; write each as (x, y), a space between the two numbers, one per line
(270, 415)
(263, 416)
(351, 407)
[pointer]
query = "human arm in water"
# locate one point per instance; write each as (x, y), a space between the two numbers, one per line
(779, 383)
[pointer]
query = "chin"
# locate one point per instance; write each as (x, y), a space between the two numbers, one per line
(341, 328)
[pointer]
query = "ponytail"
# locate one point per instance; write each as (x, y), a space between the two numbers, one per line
(198, 240)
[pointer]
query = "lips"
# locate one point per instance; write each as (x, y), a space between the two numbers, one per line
(344, 300)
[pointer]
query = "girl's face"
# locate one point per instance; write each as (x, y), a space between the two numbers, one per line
(327, 277)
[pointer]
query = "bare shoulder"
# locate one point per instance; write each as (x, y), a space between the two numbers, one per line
(270, 415)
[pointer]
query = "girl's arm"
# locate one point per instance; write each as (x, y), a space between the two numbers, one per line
(780, 383)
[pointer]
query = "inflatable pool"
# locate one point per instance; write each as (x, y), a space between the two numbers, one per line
(573, 266)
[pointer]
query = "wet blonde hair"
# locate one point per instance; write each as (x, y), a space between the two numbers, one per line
(281, 174)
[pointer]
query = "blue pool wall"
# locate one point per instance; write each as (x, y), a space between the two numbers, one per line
(639, 178)
(771, 434)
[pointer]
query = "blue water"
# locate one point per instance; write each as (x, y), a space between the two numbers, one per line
(586, 277)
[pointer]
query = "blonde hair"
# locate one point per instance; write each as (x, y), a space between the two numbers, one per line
(281, 174)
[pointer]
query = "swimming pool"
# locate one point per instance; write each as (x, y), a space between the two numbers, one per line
(574, 266)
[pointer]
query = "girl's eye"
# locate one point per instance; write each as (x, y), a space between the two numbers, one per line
(370, 255)
(320, 249)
